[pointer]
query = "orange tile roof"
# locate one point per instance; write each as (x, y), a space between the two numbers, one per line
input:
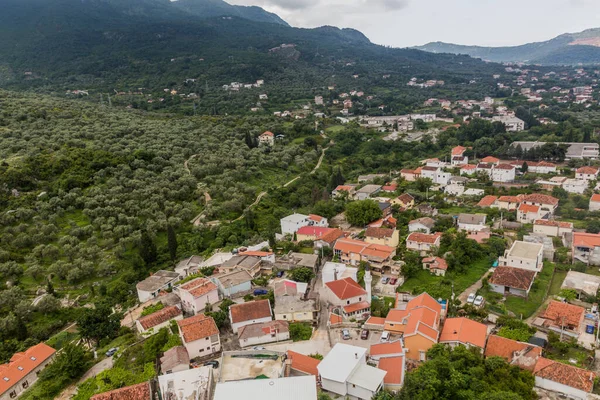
(256, 253)
(312, 230)
(487, 201)
(267, 133)
(379, 349)
(587, 170)
(303, 363)
(490, 159)
(334, 318)
(315, 217)
(363, 248)
(363, 305)
(436, 263)
(22, 364)
(527, 208)
(540, 198)
(346, 188)
(379, 233)
(583, 239)
(516, 278)
(406, 198)
(250, 311)
(424, 237)
(160, 316)
(504, 166)
(407, 171)
(199, 287)
(375, 321)
(469, 166)
(346, 288)
(595, 198)
(331, 235)
(563, 313)
(393, 367)
(509, 199)
(465, 331)
(565, 374)
(197, 327)
(525, 355)
(458, 150)
(560, 224)
(141, 391)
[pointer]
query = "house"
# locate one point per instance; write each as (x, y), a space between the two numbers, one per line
(152, 323)
(571, 381)
(267, 138)
(552, 228)
(523, 255)
(586, 248)
(423, 242)
(585, 285)
(472, 222)
(293, 309)
(490, 160)
(293, 387)
(587, 173)
(189, 266)
(23, 370)
(409, 175)
(542, 167)
(468, 169)
(435, 265)
(248, 313)
(523, 355)
(454, 189)
(424, 225)
(527, 213)
(511, 281)
(348, 294)
(405, 200)
(352, 251)
(200, 335)
(512, 123)
(291, 223)
(503, 173)
(562, 318)
(595, 202)
(418, 321)
(151, 287)
(141, 391)
(294, 260)
(174, 360)
(390, 357)
(196, 383)
(388, 221)
(263, 332)
(385, 207)
(370, 177)
(436, 174)
(382, 236)
(427, 209)
(265, 256)
(250, 264)
(389, 188)
(341, 190)
(366, 191)
(508, 203)
(233, 284)
(487, 201)
(344, 371)
(457, 161)
(302, 365)
(287, 287)
(333, 271)
(458, 151)
(547, 204)
(196, 294)
(576, 186)
(463, 331)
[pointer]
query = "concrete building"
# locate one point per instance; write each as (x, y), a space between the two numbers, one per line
(189, 266)
(333, 271)
(524, 255)
(23, 370)
(263, 333)
(366, 191)
(575, 151)
(291, 223)
(552, 228)
(192, 384)
(576, 186)
(196, 294)
(513, 124)
(293, 309)
(352, 251)
(296, 387)
(586, 248)
(150, 287)
(250, 264)
(174, 360)
(267, 138)
(512, 281)
(152, 323)
(249, 313)
(595, 202)
(583, 284)
(423, 225)
(573, 382)
(471, 222)
(349, 295)
(422, 242)
(200, 336)
(435, 265)
(233, 284)
(344, 371)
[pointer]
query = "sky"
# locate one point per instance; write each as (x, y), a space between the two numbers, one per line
(403, 23)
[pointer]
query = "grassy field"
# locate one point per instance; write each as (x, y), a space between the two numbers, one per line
(441, 286)
(557, 280)
(526, 307)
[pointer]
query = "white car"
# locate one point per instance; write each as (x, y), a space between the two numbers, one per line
(471, 298)
(478, 301)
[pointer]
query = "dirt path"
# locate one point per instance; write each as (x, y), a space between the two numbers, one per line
(473, 288)
(103, 365)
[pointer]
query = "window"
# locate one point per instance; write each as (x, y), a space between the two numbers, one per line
(201, 350)
(421, 355)
(208, 349)
(360, 299)
(32, 358)
(20, 368)
(347, 301)
(25, 385)
(13, 394)
(206, 338)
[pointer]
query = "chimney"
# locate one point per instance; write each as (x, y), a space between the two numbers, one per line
(335, 273)
(356, 355)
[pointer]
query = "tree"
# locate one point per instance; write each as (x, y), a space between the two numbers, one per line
(172, 242)
(303, 274)
(147, 248)
(98, 323)
(560, 193)
(524, 167)
(360, 213)
(49, 288)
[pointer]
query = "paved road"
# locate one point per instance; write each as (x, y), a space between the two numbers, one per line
(473, 288)
(103, 365)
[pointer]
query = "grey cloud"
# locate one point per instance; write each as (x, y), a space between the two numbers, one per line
(291, 4)
(393, 4)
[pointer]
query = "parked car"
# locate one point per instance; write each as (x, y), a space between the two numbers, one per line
(345, 334)
(478, 301)
(258, 348)
(385, 337)
(384, 280)
(280, 274)
(260, 292)
(471, 298)
(111, 352)
(214, 364)
(393, 281)
(364, 335)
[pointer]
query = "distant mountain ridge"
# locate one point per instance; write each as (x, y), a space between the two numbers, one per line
(566, 49)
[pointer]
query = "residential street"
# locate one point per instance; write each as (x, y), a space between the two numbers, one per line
(103, 365)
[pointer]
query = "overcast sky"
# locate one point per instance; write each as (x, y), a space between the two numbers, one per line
(403, 23)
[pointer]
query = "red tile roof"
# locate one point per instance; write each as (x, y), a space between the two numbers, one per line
(267, 133)
(393, 367)
(141, 391)
(303, 363)
(424, 237)
(587, 170)
(504, 166)
(509, 199)
(197, 327)
(363, 248)
(469, 167)
(379, 233)
(160, 316)
(262, 329)
(250, 311)
(525, 355)
(458, 150)
(490, 159)
(257, 253)
(406, 198)
(331, 235)
(379, 349)
(565, 374)
(375, 321)
(314, 217)
(465, 331)
(436, 263)
(487, 201)
(540, 199)
(516, 278)
(528, 208)
(198, 287)
(563, 313)
(22, 364)
(595, 198)
(345, 188)
(346, 288)
(583, 239)
(560, 224)
(335, 319)
(363, 305)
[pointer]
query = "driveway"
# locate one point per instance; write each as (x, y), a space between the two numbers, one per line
(355, 340)
(102, 366)
(473, 288)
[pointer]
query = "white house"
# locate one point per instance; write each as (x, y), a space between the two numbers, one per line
(195, 383)
(333, 271)
(513, 124)
(196, 294)
(423, 242)
(267, 138)
(569, 380)
(291, 223)
(503, 173)
(595, 202)
(587, 173)
(524, 255)
(200, 335)
(436, 174)
(577, 186)
(527, 213)
(233, 284)
(252, 312)
(424, 225)
(471, 222)
(189, 266)
(344, 371)
(552, 228)
(150, 287)
(152, 323)
(174, 360)
(511, 281)
(293, 387)
(349, 295)
(263, 332)
(23, 370)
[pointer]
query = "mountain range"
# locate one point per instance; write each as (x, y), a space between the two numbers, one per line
(566, 49)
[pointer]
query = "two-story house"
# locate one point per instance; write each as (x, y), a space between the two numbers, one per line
(200, 335)
(196, 294)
